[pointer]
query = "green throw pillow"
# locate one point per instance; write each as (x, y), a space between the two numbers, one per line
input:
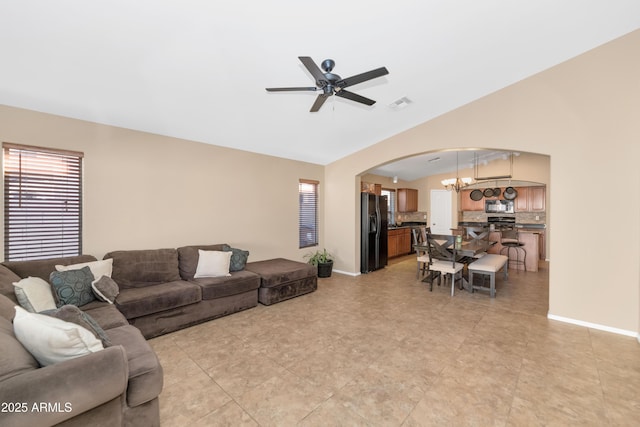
(73, 286)
(238, 258)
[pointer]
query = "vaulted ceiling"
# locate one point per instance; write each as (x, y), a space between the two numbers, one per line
(198, 69)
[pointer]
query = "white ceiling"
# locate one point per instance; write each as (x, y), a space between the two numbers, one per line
(198, 69)
(416, 167)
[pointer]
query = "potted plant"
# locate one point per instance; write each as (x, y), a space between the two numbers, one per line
(323, 260)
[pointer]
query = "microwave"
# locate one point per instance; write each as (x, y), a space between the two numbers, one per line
(499, 206)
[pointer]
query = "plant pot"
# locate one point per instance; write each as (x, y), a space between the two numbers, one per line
(325, 268)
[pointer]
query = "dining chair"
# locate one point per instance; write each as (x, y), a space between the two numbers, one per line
(478, 233)
(442, 258)
(511, 244)
(422, 256)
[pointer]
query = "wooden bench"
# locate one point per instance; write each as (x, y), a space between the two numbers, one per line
(488, 265)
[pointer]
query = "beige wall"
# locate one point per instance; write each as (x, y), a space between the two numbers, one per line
(584, 115)
(146, 191)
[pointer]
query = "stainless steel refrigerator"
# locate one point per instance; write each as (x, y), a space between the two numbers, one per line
(374, 227)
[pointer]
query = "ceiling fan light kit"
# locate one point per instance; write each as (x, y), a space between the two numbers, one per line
(332, 84)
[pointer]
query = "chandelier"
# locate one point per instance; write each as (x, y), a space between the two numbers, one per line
(456, 183)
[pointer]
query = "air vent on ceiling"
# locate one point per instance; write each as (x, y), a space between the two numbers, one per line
(400, 103)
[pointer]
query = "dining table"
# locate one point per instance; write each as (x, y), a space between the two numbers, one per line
(468, 248)
(465, 253)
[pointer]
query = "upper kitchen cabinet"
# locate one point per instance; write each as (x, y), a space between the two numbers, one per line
(468, 204)
(407, 199)
(531, 199)
(370, 187)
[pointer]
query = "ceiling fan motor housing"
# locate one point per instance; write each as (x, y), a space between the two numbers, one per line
(328, 64)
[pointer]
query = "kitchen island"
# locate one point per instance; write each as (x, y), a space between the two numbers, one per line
(530, 239)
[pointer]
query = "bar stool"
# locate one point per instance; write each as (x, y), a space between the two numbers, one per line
(511, 243)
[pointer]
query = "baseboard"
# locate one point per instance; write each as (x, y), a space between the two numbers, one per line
(595, 326)
(346, 273)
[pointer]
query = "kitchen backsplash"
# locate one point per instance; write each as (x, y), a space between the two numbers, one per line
(521, 217)
(411, 216)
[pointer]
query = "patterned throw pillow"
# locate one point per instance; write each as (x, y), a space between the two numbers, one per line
(73, 286)
(238, 258)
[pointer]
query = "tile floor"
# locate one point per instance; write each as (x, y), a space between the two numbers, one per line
(381, 350)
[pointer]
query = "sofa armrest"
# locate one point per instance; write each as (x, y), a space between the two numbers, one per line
(55, 393)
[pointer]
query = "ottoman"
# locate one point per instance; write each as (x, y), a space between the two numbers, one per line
(282, 279)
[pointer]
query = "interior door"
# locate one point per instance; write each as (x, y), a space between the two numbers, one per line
(441, 209)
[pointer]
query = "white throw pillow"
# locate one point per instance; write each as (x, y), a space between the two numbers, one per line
(34, 294)
(213, 263)
(51, 340)
(98, 268)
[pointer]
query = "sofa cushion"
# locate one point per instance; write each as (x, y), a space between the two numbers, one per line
(52, 340)
(188, 258)
(14, 358)
(277, 271)
(34, 294)
(237, 283)
(7, 308)
(73, 286)
(136, 302)
(139, 268)
(212, 264)
(145, 371)
(7, 279)
(107, 315)
(42, 268)
(239, 258)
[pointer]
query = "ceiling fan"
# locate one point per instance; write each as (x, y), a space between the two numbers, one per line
(332, 84)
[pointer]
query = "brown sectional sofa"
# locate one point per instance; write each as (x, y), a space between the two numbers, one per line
(158, 294)
(116, 386)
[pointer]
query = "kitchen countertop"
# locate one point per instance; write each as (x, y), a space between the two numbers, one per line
(536, 226)
(516, 225)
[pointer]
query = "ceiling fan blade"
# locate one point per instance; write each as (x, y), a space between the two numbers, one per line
(354, 97)
(359, 78)
(289, 89)
(315, 71)
(319, 101)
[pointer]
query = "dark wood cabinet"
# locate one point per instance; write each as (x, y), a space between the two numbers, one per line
(467, 204)
(522, 201)
(537, 196)
(399, 242)
(531, 199)
(407, 199)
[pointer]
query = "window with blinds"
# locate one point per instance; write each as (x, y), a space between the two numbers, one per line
(308, 223)
(42, 203)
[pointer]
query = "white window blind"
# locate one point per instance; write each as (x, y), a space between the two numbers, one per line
(42, 203)
(308, 222)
